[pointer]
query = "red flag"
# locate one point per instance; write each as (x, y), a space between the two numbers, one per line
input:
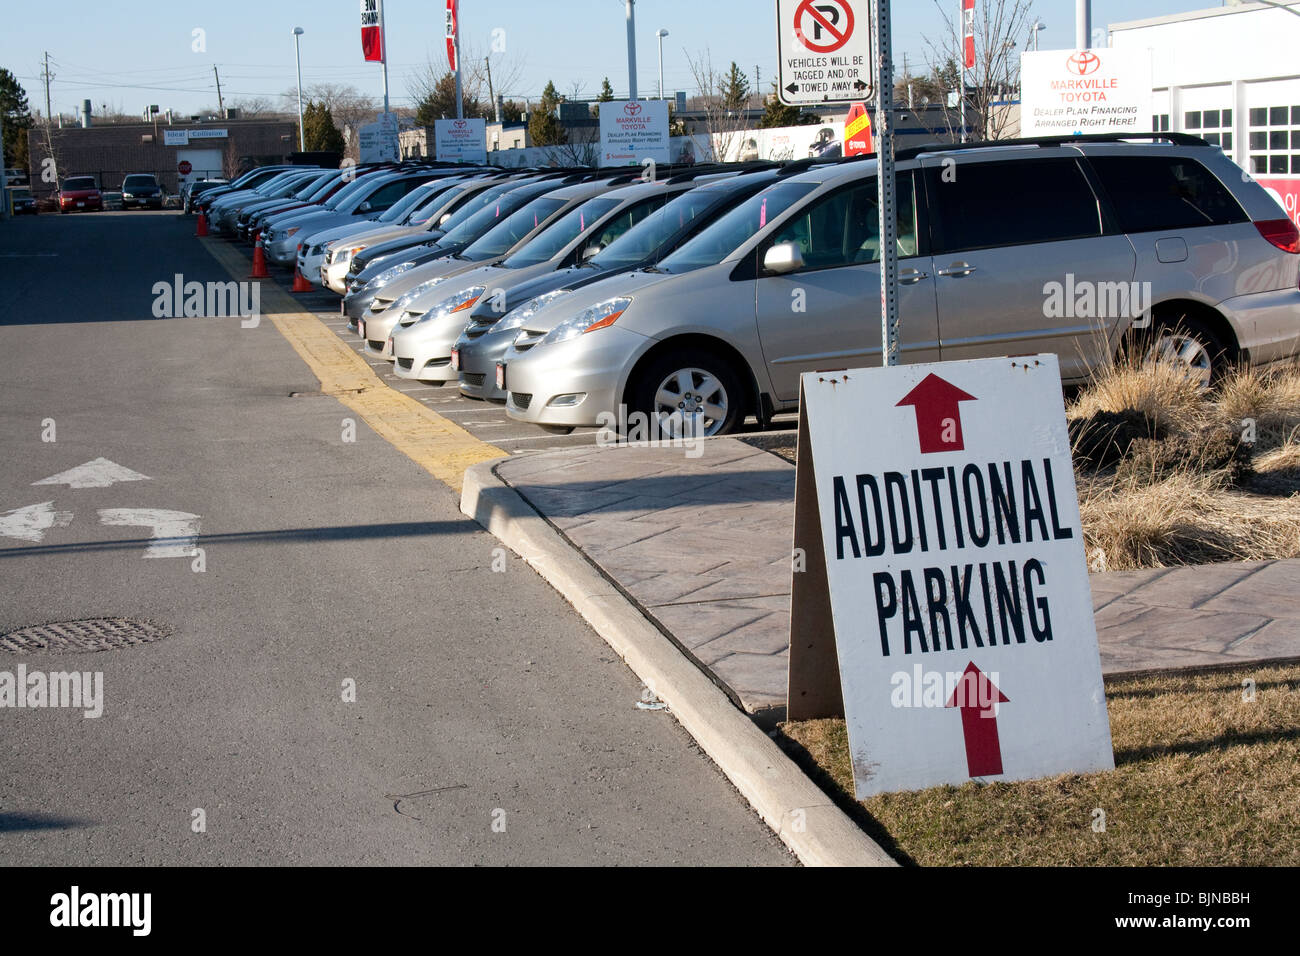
(451, 34)
(968, 32)
(372, 30)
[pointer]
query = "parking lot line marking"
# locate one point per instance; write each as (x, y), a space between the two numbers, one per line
(437, 444)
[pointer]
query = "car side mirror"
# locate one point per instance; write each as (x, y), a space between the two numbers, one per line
(590, 252)
(445, 217)
(364, 207)
(783, 258)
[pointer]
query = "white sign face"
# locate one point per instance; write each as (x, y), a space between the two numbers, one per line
(632, 131)
(1066, 92)
(377, 142)
(460, 140)
(823, 51)
(175, 137)
(955, 564)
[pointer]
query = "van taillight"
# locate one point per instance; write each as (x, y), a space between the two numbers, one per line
(1281, 233)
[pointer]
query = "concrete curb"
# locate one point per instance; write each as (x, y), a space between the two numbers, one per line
(817, 831)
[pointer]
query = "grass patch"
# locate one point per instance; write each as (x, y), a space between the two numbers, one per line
(1171, 474)
(1203, 778)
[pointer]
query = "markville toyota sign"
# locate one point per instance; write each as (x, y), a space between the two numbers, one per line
(1085, 91)
(633, 131)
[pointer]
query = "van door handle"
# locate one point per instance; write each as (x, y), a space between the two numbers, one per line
(957, 269)
(911, 276)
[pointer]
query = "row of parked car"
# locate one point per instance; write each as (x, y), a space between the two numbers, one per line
(698, 298)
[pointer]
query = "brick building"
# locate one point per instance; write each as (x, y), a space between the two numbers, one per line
(109, 153)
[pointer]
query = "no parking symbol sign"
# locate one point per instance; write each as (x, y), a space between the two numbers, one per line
(824, 51)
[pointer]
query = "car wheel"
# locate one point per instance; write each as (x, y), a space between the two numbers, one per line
(1188, 342)
(678, 386)
(557, 429)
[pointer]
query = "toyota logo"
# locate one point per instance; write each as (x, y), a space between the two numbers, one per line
(1083, 63)
(632, 109)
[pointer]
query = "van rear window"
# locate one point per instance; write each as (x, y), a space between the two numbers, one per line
(1165, 192)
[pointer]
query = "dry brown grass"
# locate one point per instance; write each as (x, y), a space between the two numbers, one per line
(1195, 493)
(1203, 777)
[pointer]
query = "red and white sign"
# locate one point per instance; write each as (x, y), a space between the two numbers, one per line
(184, 167)
(633, 131)
(957, 580)
(1287, 193)
(823, 51)
(1104, 90)
(968, 33)
(460, 140)
(372, 30)
(452, 21)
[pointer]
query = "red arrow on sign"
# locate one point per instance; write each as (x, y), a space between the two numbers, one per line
(977, 696)
(938, 415)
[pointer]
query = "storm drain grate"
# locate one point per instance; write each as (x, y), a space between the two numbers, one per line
(83, 637)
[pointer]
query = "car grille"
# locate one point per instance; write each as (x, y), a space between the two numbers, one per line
(478, 326)
(527, 340)
(521, 400)
(378, 346)
(379, 304)
(405, 363)
(409, 319)
(473, 378)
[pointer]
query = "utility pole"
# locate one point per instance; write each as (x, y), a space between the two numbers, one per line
(492, 97)
(221, 106)
(758, 85)
(631, 49)
(46, 74)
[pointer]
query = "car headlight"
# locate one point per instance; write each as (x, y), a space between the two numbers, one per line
(388, 275)
(452, 304)
(411, 295)
(526, 311)
(345, 255)
(127, 196)
(588, 320)
(290, 232)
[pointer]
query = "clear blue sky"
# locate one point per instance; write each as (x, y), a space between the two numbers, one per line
(131, 54)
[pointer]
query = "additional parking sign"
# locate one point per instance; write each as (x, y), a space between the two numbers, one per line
(953, 555)
(824, 51)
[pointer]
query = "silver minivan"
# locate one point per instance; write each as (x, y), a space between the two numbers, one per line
(1072, 247)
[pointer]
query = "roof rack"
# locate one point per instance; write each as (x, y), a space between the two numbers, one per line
(1178, 139)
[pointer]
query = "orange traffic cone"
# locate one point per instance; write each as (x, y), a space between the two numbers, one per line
(259, 261)
(202, 228)
(300, 283)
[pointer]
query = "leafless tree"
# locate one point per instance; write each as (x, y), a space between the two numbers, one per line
(1000, 30)
(722, 125)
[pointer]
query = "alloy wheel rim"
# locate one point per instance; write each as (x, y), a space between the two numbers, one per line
(686, 395)
(1185, 351)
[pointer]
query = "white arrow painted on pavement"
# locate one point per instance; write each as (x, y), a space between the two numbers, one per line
(99, 473)
(174, 532)
(31, 523)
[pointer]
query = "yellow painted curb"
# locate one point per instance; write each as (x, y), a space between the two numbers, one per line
(439, 446)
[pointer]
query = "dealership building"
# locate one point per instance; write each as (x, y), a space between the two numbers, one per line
(171, 151)
(1231, 75)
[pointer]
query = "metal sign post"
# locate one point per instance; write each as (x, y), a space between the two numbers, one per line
(887, 187)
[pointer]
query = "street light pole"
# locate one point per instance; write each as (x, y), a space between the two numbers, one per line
(631, 49)
(1083, 24)
(297, 55)
(661, 33)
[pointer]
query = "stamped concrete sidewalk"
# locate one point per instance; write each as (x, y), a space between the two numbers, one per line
(703, 545)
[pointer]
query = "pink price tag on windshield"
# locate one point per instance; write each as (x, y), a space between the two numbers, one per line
(762, 215)
(582, 222)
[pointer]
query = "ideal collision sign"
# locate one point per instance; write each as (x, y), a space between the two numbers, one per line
(460, 140)
(633, 131)
(948, 529)
(1085, 91)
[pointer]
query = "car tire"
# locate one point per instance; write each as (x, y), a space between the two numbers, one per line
(1190, 341)
(689, 380)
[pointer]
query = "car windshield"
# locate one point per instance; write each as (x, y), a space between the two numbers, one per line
(733, 230)
(505, 235)
(398, 210)
(138, 181)
(79, 182)
(648, 236)
(477, 216)
(323, 186)
(432, 202)
(348, 191)
(305, 187)
(548, 243)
